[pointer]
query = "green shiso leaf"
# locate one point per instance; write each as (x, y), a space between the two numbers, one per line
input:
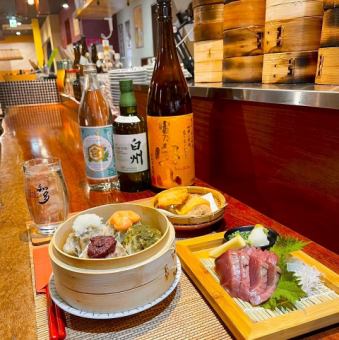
(288, 290)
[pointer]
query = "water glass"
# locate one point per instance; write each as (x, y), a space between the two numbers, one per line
(46, 193)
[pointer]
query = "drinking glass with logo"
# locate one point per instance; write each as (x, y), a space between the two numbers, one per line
(46, 193)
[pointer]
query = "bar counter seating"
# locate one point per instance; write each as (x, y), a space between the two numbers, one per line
(44, 130)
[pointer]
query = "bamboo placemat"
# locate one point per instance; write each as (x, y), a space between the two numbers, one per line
(183, 315)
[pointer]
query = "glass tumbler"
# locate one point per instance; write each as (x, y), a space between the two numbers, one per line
(46, 193)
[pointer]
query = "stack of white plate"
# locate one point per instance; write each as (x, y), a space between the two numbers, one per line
(137, 74)
(149, 72)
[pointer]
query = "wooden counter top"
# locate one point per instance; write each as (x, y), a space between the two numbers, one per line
(52, 130)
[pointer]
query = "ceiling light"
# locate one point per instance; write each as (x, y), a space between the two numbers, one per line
(65, 5)
(30, 2)
(18, 33)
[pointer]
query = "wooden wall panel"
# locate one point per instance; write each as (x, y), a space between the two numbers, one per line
(281, 160)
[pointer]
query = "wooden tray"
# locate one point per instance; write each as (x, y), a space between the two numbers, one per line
(300, 34)
(294, 323)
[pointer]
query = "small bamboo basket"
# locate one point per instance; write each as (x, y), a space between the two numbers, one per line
(330, 28)
(244, 13)
(292, 35)
(208, 22)
(243, 69)
(115, 284)
(246, 41)
(289, 67)
(289, 9)
(328, 66)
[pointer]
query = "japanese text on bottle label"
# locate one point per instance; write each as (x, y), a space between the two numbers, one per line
(171, 150)
(131, 152)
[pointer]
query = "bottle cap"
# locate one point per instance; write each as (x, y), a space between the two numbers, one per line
(126, 85)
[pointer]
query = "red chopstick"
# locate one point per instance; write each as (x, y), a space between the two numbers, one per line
(60, 322)
(52, 322)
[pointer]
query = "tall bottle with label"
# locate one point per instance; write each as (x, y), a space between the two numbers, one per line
(95, 120)
(130, 143)
(169, 112)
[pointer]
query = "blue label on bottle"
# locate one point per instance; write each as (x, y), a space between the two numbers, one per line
(98, 151)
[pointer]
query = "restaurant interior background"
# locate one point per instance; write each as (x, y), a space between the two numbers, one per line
(276, 153)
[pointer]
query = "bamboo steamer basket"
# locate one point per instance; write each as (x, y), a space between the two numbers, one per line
(292, 35)
(289, 9)
(208, 22)
(115, 288)
(330, 29)
(196, 3)
(208, 57)
(243, 41)
(330, 4)
(195, 220)
(148, 216)
(328, 66)
(244, 13)
(243, 69)
(289, 67)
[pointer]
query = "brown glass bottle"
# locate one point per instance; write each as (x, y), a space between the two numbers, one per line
(169, 112)
(95, 120)
(130, 143)
(76, 63)
(85, 56)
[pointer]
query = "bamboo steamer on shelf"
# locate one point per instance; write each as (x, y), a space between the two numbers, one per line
(196, 3)
(244, 13)
(330, 28)
(208, 57)
(243, 41)
(289, 9)
(289, 67)
(328, 66)
(242, 69)
(208, 22)
(292, 35)
(330, 4)
(115, 284)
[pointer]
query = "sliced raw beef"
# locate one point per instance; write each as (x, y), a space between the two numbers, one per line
(250, 274)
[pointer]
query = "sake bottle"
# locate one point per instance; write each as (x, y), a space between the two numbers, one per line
(169, 112)
(130, 142)
(95, 120)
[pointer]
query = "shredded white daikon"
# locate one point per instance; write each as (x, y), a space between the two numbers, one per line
(308, 277)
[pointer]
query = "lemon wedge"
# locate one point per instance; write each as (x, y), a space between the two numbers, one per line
(235, 243)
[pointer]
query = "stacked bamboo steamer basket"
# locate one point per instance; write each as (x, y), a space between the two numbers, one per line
(328, 56)
(292, 39)
(208, 45)
(116, 284)
(243, 40)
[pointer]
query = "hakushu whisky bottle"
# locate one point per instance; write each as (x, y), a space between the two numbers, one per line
(130, 143)
(169, 112)
(95, 120)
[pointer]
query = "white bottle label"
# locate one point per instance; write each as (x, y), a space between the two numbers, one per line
(130, 152)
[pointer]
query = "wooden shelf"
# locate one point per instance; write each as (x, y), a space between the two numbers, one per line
(100, 9)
